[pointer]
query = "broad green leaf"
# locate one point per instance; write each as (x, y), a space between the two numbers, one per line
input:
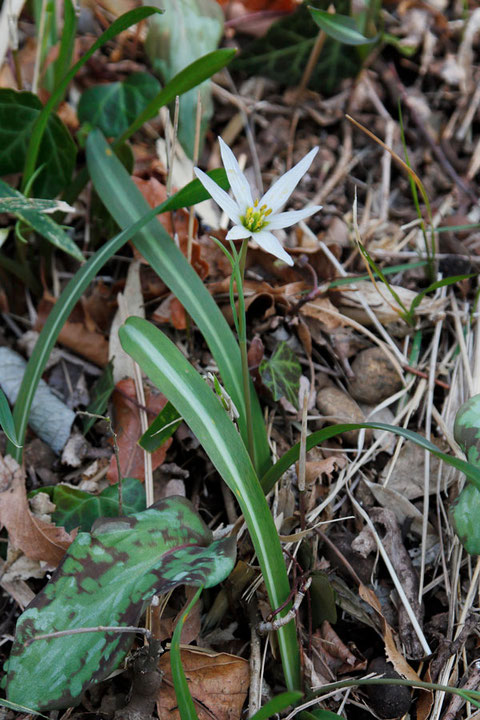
(322, 599)
(107, 578)
(281, 374)
(282, 54)
(6, 420)
(342, 28)
(100, 395)
(291, 456)
(32, 212)
(33, 155)
(188, 30)
(114, 106)
(192, 193)
(78, 509)
(201, 409)
(126, 204)
(163, 427)
(184, 81)
(19, 111)
(277, 704)
(186, 707)
(464, 514)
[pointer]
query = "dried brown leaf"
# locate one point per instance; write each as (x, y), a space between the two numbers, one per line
(37, 539)
(218, 684)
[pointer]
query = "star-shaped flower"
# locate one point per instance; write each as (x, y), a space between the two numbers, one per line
(257, 219)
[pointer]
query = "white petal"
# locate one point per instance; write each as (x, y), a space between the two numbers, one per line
(238, 181)
(220, 196)
(270, 244)
(283, 220)
(277, 196)
(238, 232)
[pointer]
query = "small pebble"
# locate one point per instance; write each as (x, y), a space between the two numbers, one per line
(375, 377)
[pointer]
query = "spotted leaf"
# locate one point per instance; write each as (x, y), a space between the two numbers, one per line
(107, 578)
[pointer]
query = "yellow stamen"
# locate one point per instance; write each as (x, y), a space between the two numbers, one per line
(254, 219)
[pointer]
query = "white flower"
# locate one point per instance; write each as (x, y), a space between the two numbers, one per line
(256, 219)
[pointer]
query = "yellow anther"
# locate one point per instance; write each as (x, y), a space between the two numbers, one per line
(256, 203)
(267, 212)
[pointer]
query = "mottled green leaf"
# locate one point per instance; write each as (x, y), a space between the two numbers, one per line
(106, 579)
(339, 27)
(188, 30)
(163, 427)
(18, 113)
(114, 106)
(282, 54)
(78, 509)
(100, 394)
(32, 212)
(467, 429)
(281, 374)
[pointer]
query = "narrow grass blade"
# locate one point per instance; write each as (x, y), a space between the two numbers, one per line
(6, 420)
(126, 203)
(275, 473)
(188, 78)
(67, 42)
(277, 704)
(122, 23)
(342, 28)
(168, 369)
(186, 707)
(434, 286)
(192, 193)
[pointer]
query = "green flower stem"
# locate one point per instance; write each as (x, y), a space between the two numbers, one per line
(242, 341)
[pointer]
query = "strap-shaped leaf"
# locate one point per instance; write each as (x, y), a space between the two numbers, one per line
(201, 409)
(106, 579)
(126, 204)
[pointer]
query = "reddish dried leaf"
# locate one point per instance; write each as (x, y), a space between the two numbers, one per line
(128, 428)
(217, 682)
(75, 335)
(37, 539)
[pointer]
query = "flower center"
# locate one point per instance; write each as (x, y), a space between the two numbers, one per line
(255, 217)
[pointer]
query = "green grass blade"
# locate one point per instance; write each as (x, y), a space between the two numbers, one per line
(67, 42)
(6, 420)
(126, 203)
(188, 78)
(186, 707)
(192, 193)
(168, 369)
(275, 473)
(122, 23)
(434, 286)
(277, 704)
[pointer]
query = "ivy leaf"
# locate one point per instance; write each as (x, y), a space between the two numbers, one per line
(107, 578)
(282, 54)
(281, 374)
(78, 509)
(18, 112)
(114, 106)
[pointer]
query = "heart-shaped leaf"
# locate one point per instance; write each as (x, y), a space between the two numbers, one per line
(18, 113)
(281, 374)
(106, 579)
(114, 106)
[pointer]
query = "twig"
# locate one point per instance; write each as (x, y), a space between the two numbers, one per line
(98, 628)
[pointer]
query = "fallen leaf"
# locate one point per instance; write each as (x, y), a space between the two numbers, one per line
(75, 335)
(128, 428)
(36, 539)
(218, 683)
